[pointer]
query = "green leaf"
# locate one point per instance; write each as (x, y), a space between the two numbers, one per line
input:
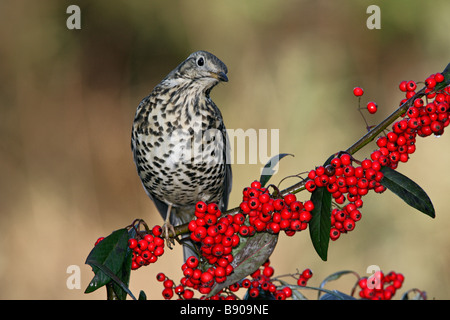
(446, 82)
(111, 261)
(142, 295)
(268, 170)
(296, 294)
(335, 276)
(407, 190)
(419, 295)
(337, 295)
(320, 224)
(263, 295)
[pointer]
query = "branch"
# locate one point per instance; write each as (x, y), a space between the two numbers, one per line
(358, 145)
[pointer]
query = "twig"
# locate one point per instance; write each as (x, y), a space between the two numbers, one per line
(358, 145)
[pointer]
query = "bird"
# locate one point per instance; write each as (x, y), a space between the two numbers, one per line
(180, 145)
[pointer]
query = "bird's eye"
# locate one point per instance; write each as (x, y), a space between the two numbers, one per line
(200, 61)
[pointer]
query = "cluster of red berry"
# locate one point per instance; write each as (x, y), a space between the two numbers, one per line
(258, 281)
(346, 182)
(266, 213)
(146, 248)
(380, 286)
(421, 119)
(217, 235)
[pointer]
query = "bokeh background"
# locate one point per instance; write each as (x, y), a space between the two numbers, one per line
(68, 98)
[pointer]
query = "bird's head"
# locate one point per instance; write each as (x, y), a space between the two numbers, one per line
(204, 68)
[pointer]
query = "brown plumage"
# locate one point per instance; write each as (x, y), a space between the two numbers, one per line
(179, 141)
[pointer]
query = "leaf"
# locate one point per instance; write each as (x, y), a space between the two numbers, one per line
(268, 170)
(120, 290)
(251, 253)
(111, 261)
(263, 295)
(335, 276)
(407, 190)
(142, 295)
(446, 82)
(419, 295)
(320, 224)
(337, 295)
(296, 294)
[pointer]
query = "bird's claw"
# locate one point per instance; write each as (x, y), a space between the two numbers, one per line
(167, 229)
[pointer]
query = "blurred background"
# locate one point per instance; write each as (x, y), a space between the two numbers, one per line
(68, 98)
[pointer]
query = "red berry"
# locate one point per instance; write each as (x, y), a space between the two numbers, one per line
(142, 244)
(256, 184)
(289, 198)
(212, 208)
(418, 103)
(268, 271)
(192, 262)
(158, 241)
(307, 274)
(302, 281)
(334, 234)
(246, 283)
(430, 82)
(200, 207)
(411, 85)
(305, 216)
(218, 250)
(275, 227)
(188, 294)
(438, 77)
(278, 204)
(372, 107)
(179, 289)
(220, 272)
(264, 197)
(146, 254)
(253, 292)
(402, 86)
(349, 224)
(132, 243)
(308, 205)
(157, 231)
(160, 277)
(206, 277)
(243, 230)
(296, 206)
(149, 238)
(245, 208)
(210, 219)
(168, 283)
(280, 295)
(287, 291)
(253, 203)
(167, 293)
(253, 193)
(267, 208)
(358, 92)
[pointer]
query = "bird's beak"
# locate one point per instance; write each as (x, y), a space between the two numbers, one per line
(221, 76)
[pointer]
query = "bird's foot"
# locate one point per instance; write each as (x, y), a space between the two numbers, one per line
(167, 229)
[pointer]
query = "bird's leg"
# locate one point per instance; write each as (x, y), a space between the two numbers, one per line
(167, 225)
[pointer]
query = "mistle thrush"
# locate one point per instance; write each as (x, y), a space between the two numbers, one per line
(179, 142)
